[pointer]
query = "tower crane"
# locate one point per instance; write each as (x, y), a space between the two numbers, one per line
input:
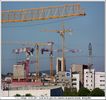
(43, 13)
(37, 58)
(62, 34)
(36, 45)
(90, 56)
(29, 51)
(51, 57)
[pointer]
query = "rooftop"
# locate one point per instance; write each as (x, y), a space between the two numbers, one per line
(32, 87)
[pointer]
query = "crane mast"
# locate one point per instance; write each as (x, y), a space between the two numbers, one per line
(37, 62)
(62, 33)
(90, 56)
(50, 50)
(51, 60)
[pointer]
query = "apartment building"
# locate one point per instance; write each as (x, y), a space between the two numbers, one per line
(79, 68)
(100, 80)
(75, 80)
(89, 78)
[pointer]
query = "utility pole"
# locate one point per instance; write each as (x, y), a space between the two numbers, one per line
(8, 82)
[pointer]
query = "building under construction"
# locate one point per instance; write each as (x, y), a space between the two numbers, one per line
(21, 71)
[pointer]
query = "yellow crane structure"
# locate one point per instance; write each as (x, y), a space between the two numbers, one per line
(62, 34)
(37, 44)
(37, 58)
(43, 13)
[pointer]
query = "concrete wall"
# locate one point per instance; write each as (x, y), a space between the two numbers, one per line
(78, 68)
(23, 92)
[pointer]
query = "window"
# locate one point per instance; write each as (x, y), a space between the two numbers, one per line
(74, 79)
(91, 80)
(73, 83)
(86, 72)
(102, 76)
(91, 84)
(102, 84)
(86, 80)
(102, 80)
(62, 75)
(91, 76)
(86, 76)
(86, 84)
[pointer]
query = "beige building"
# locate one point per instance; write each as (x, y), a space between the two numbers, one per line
(75, 81)
(18, 71)
(79, 68)
(63, 79)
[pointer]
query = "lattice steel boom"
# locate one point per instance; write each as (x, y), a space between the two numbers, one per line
(44, 13)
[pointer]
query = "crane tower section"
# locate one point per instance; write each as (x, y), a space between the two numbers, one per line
(44, 13)
(90, 49)
(90, 56)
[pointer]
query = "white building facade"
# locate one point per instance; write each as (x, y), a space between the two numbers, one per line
(89, 78)
(34, 91)
(75, 80)
(100, 80)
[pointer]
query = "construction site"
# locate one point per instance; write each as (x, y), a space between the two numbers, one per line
(22, 78)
